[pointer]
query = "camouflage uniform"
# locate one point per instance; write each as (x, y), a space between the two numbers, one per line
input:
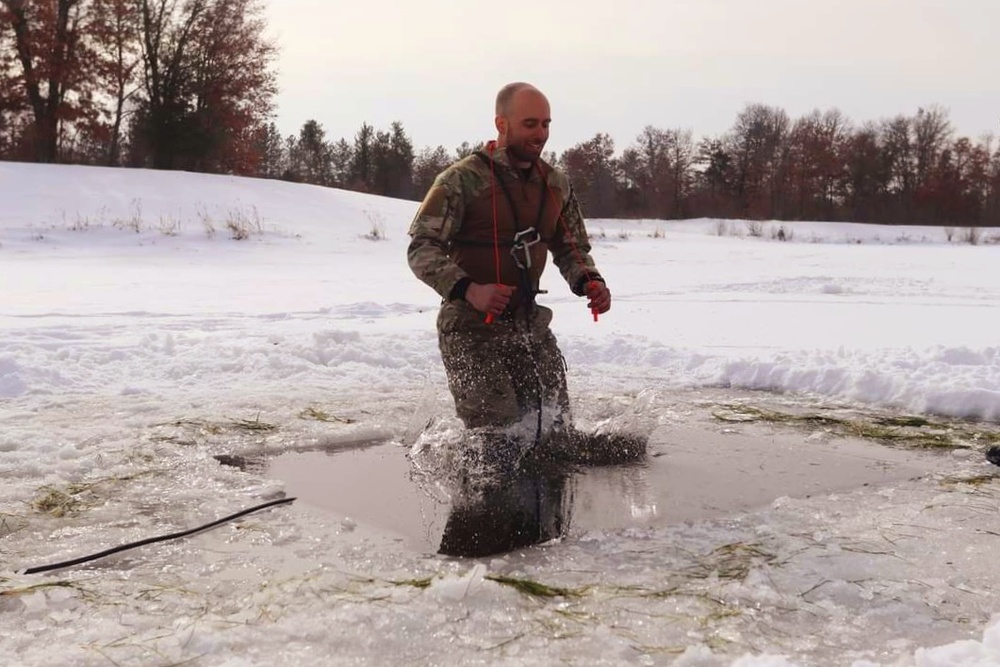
(499, 372)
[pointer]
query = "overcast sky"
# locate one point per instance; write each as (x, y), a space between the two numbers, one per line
(616, 66)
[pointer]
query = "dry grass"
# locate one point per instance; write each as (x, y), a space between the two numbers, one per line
(376, 226)
(78, 496)
(207, 427)
(972, 480)
(242, 224)
(11, 523)
(533, 588)
(904, 430)
(254, 424)
(27, 590)
(316, 414)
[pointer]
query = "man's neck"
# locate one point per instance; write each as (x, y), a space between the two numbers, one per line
(514, 162)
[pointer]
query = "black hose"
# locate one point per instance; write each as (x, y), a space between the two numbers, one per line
(993, 455)
(152, 540)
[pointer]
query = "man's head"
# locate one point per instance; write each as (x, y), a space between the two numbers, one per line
(522, 122)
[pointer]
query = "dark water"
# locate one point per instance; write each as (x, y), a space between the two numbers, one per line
(690, 475)
(377, 485)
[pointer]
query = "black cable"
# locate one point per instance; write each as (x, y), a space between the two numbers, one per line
(151, 540)
(993, 455)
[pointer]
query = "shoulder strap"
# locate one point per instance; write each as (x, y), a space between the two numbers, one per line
(491, 163)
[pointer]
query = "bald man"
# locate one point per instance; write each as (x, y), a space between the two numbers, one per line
(481, 239)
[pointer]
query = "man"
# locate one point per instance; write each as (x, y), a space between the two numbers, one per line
(481, 239)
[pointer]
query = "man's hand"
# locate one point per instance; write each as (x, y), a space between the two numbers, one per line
(599, 297)
(491, 299)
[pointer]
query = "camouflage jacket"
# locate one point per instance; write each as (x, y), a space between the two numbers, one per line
(454, 234)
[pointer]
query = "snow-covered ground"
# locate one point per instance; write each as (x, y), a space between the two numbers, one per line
(138, 341)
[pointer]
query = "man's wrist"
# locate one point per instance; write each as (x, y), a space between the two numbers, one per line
(580, 289)
(459, 289)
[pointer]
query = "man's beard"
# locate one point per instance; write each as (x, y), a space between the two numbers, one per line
(522, 154)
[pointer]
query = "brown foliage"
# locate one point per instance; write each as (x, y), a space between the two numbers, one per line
(194, 75)
(902, 170)
(53, 72)
(189, 84)
(207, 85)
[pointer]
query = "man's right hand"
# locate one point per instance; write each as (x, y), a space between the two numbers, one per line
(491, 299)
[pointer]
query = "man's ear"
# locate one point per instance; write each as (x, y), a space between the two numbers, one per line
(501, 124)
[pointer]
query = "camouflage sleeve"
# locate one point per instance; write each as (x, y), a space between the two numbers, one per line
(571, 246)
(435, 224)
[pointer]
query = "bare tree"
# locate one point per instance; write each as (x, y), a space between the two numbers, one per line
(207, 83)
(428, 163)
(931, 132)
(592, 168)
(55, 68)
(116, 35)
(757, 144)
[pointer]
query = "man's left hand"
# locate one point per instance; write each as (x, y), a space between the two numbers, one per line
(599, 296)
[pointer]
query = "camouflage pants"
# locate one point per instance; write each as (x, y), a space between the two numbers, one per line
(498, 373)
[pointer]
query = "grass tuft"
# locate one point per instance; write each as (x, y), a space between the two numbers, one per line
(414, 583)
(973, 480)
(59, 502)
(536, 589)
(730, 561)
(11, 523)
(211, 428)
(376, 222)
(56, 502)
(242, 224)
(25, 590)
(905, 431)
(323, 416)
(254, 424)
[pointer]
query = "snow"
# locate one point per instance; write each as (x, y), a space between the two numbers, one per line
(136, 337)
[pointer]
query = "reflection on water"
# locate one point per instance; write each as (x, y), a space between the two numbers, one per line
(528, 507)
(499, 504)
(456, 507)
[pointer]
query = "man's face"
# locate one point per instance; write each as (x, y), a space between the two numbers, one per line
(527, 125)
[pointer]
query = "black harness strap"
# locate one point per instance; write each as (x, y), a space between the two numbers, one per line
(510, 199)
(526, 285)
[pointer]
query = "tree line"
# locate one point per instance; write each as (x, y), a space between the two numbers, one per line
(902, 170)
(190, 84)
(166, 84)
(822, 166)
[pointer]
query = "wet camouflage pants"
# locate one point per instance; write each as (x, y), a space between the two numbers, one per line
(496, 372)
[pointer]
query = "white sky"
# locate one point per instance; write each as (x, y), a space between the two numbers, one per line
(617, 66)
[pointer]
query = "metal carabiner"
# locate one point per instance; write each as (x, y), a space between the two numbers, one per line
(523, 241)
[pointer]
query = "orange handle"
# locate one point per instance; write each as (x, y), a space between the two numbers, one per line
(489, 318)
(592, 284)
